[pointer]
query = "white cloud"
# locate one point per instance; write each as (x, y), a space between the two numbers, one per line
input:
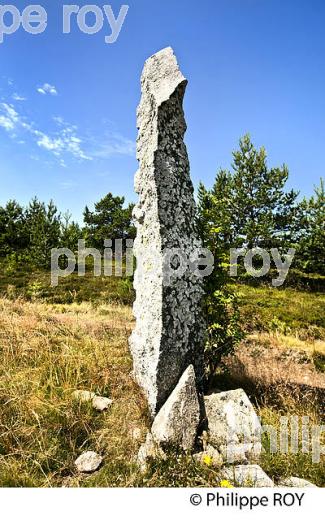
(114, 144)
(64, 141)
(6, 123)
(53, 145)
(47, 89)
(62, 163)
(17, 97)
(9, 117)
(59, 120)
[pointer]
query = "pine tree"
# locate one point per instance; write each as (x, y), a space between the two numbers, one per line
(109, 221)
(262, 211)
(70, 232)
(311, 250)
(13, 235)
(220, 303)
(44, 227)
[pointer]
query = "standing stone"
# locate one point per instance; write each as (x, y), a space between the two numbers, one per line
(169, 330)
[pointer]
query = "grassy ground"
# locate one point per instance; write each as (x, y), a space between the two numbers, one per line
(55, 341)
(47, 352)
(36, 285)
(289, 311)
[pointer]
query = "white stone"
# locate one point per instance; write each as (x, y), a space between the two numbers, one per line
(241, 452)
(177, 421)
(98, 402)
(251, 475)
(295, 482)
(169, 329)
(88, 462)
(233, 426)
(101, 403)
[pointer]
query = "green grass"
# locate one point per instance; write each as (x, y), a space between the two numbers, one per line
(319, 361)
(36, 285)
(281, 465)
(262, 308)
(283, 310)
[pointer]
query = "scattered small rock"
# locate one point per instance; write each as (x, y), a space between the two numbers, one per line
(295, 482)
(88, 462)
(241, 452)
(177, 421)
(101, 403)
(250, 475)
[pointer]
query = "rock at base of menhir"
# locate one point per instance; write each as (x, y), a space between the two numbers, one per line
(250, 475)
(295, 482)
(177, 421)
(233, 426)
(88, 462)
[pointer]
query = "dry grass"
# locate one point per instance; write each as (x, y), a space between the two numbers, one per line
(49, 350)
(276, 376)
(274, 359)
(279, 374)
(294, 342)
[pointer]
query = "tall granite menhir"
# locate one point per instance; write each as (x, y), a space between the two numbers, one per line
(169, 330)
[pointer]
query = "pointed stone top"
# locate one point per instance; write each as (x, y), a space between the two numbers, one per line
(161, 75)
(177, 421)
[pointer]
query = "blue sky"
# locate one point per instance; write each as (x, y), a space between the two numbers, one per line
(68, 102)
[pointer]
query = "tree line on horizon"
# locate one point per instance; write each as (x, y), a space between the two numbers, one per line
(247, 206)
(28, 234)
